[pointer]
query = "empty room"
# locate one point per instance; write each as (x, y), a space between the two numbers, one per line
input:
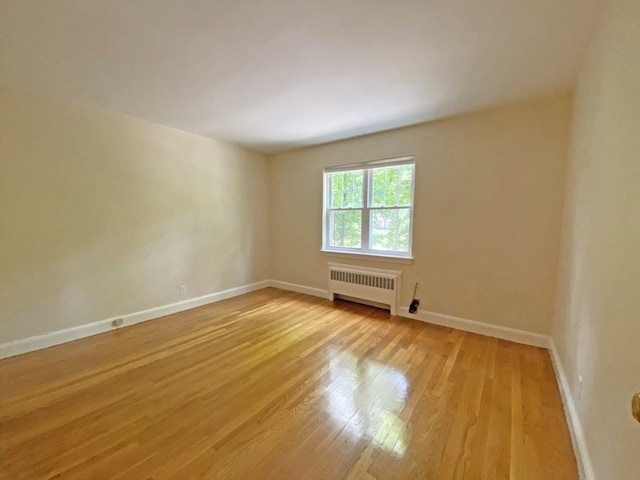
(320, 239)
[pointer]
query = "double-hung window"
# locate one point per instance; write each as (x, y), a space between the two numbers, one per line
(368, 207)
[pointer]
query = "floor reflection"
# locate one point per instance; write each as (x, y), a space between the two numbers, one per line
(368, 397)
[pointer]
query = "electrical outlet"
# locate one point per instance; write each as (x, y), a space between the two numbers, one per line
(117, 322)
(579, 387)
(183, 289)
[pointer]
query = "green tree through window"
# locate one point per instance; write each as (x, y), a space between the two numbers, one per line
(369, 208)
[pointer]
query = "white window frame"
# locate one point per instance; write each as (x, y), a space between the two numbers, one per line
(366, 208)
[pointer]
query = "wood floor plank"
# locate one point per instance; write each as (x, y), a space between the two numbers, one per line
(280, 385)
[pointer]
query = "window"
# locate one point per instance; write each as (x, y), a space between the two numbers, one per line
(368, 208)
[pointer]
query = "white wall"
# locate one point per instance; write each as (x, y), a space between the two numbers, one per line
(488, 208)
(597, 324)
(103, 215)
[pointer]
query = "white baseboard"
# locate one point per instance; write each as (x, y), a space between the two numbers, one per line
(506, 333)
(294, 287)
(585, 469)
(69, 334)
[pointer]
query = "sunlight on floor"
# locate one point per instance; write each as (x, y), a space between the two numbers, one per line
(367, 397)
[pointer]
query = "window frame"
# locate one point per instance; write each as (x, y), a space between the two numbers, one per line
(365, 234)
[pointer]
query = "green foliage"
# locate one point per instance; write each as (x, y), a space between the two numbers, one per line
(390, 229)
(391, 186)
(346, 228)
(346, 189)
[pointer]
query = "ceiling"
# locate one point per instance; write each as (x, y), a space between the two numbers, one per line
(278, 74)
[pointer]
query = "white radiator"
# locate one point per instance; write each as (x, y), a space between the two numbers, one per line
(372, 284)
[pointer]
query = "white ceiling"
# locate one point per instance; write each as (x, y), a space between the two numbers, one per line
(277, 74)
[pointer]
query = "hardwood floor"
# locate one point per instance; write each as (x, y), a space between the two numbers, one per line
(280, 385)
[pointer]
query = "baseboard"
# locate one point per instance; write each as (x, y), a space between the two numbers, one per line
(506, 333)
(294, 287)
(585, 468)
(69, 334)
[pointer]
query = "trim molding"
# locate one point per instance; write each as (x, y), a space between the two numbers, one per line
(371, 257)
(585, 468)
(506, 333)
(50, 339)
(294, 287)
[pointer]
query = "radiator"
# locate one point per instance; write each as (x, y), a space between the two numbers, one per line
(372, 284)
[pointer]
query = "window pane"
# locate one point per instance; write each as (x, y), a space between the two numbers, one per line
(391, 186)
(390, 229)
(346, 189)
(346, 228)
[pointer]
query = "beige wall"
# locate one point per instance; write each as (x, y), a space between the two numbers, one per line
(103, 215)
(597, 325)
(488, 207)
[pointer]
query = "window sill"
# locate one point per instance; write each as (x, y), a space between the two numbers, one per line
(367, 256)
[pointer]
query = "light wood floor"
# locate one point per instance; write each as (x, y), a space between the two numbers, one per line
(280, 385)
